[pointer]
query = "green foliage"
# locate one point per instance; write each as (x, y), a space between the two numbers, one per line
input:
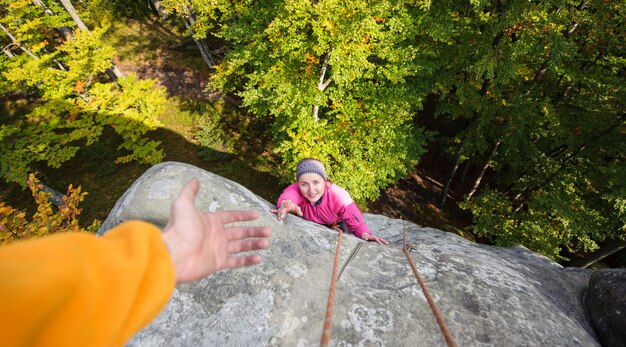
(84, 57)
(15, 226)
(27, 23)
(559, 218)
(62, 127)
(97, 12)
(545, 80)
(340, 81)
(75, 99)
(363, 156)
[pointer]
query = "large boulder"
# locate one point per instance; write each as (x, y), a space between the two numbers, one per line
(489, 296)
(606, 305)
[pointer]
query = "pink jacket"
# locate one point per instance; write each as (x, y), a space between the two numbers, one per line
(334, 206)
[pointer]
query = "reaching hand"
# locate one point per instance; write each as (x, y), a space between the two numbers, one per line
(287, 206)
(370, 237)
(200, 244)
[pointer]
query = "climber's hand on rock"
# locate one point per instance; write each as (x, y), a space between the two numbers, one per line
(370, 237)
(287, 206)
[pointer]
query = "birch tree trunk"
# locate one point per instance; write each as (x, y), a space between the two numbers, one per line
(67, 4)
(457, 160)
(484, 169)
(8, 52)
(158, 8)
(321, 85)
(501, 8)
(7, 49)
(207, 56)
(546, 63)
(114, 72)
(17, 43)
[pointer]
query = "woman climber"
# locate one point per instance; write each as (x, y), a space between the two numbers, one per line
(316, 199)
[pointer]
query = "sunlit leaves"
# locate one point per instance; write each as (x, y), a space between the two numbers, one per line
(353, 65)
(545, 81)
(75, 100)
(14, 224)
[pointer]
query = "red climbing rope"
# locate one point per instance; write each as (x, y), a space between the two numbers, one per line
(433, 307)
(330, 306)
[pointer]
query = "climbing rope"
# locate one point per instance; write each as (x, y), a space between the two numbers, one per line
(330, 306)
(433, 307)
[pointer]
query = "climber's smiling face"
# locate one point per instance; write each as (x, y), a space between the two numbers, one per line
(311, 186)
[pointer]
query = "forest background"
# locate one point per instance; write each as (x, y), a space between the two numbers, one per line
(501, 121)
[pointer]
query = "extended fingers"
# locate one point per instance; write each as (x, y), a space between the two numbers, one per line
(247, 245)
(280, 213)
(236, 216)
(369, 237)
(380, 240)
(242, 239)
(237, 233)
(241, 261)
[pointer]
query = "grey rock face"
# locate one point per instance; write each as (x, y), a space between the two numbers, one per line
(606, 305)
(489, 296)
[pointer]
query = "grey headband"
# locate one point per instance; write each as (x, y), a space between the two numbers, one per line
(310, 165)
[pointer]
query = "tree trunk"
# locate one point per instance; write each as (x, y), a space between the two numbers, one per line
(546, 63)
(207, 56)
(610, 248)
(464, 173)
(59, 65)
(457, 160)
(114, 72)
(8, 53)
(157, 8)
(54, 196)
(580, 7)
(65, 31)
(17, 44)
(67, 4)
(493, 152)
(321, 85)
(539, 74)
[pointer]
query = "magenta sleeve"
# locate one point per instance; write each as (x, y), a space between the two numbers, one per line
(292, 192)
(354, 220)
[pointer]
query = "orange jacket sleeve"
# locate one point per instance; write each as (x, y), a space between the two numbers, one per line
(77, 289)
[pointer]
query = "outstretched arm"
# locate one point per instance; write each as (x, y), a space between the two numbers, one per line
(356, 224)
(77, 289)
